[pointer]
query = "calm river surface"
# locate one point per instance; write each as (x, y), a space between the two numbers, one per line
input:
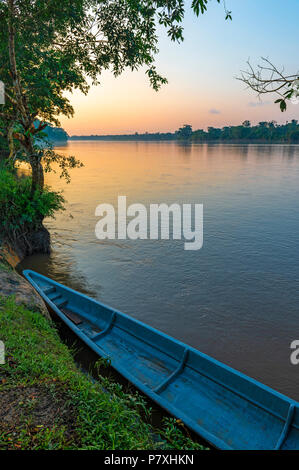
(236, 299)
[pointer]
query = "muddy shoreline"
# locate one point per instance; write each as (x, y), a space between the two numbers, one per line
(12, 284)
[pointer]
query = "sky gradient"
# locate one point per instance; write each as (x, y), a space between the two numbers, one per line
(202, 89)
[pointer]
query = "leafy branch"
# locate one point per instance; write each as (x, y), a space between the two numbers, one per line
(269, 79)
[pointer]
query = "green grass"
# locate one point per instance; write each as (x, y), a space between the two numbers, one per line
(48, 403)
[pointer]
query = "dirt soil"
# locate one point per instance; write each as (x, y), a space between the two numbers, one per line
(37, 407)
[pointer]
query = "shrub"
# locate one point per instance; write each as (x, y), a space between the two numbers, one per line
(20, 210)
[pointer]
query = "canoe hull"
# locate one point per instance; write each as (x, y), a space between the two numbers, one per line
(225, 407)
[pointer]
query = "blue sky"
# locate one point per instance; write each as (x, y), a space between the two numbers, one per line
(202, 88)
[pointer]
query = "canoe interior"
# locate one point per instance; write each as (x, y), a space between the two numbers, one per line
(225, 407)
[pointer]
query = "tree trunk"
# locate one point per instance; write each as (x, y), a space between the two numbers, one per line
(37, 174)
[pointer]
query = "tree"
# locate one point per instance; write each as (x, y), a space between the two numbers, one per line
(49, 47)
(294, 137)
(269, 79)
(214, 133)
(30, 71)
(185, 132)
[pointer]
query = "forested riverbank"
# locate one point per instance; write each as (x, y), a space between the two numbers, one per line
(263, 132)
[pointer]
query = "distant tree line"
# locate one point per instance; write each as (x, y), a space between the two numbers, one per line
(262, 132)
(144, 137)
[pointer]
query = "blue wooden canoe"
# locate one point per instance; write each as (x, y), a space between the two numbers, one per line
(227, 408)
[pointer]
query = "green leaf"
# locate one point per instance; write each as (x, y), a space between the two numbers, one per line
(283, 105)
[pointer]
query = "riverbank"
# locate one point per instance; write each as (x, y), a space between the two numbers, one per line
(12, 284)
(47, 402)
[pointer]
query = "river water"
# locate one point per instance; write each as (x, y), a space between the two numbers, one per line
(236, 299)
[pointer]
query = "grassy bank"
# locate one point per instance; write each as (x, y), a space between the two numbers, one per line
(47, 403)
